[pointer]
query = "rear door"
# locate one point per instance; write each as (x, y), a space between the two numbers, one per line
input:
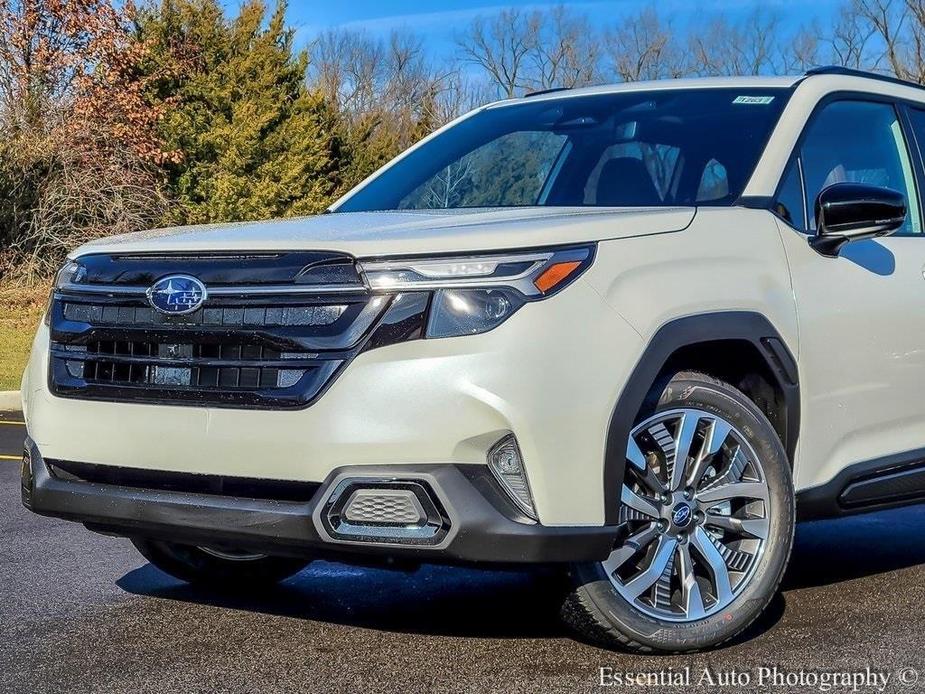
(861, 315)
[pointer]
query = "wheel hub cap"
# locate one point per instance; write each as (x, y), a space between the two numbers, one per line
(694, 519)
(681, 516)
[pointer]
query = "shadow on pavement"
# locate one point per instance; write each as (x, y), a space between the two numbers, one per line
(516, 604)
(432, 600)
(833, 551)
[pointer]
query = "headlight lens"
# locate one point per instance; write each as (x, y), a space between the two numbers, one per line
(71, 273)
(473, 294)
(470, 311)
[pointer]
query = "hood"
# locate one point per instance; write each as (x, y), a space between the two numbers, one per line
(365, 234)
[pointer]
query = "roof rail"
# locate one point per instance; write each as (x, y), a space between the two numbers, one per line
(540, 92)
(851, 72)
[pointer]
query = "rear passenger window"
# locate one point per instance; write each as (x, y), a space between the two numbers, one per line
(858, 142)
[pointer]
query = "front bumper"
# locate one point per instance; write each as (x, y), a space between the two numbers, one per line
(478, 523)
(551, 375)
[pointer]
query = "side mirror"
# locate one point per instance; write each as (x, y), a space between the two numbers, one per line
(853, 211)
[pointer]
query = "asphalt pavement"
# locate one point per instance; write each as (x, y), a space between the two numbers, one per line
(84, 613)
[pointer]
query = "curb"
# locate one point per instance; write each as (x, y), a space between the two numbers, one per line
(10, 400)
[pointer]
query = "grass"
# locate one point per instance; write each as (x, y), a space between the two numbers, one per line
(20, 312)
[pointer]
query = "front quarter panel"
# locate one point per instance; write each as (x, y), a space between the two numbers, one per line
(728, 259)
(724, 278)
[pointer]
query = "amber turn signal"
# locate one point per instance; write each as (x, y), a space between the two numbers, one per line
(555, 275)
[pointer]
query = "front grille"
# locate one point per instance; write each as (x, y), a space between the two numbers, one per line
(278, 356)
(249, 345)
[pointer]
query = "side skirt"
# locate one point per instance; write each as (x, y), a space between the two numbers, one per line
(888, 482)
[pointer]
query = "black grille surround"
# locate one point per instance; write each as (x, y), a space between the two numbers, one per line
(274, 332)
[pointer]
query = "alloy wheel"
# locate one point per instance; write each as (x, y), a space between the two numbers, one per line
(694, 518)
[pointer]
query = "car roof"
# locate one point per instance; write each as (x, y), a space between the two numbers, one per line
(659, 85)
(864, 81)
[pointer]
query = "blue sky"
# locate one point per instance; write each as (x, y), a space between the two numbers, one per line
(440, 20)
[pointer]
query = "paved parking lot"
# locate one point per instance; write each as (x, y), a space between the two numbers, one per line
(80, 613)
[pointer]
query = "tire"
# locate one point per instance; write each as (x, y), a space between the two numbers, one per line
(217, 568)
(691, 606)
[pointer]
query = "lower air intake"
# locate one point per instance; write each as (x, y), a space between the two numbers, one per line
(385, 507)
(384, 511)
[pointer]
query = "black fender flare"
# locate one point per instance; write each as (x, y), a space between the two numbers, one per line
(672, 336)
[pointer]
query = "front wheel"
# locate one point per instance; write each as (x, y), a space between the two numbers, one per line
(217, 567)
(706, 525)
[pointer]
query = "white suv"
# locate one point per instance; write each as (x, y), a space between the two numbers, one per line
(630, 330)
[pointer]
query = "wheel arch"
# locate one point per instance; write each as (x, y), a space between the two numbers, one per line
(723, 344)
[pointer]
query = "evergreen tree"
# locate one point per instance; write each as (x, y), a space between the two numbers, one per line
(256, 142)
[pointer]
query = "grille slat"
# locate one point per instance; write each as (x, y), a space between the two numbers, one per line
(120, 359)
(238, 316)
(203, 367)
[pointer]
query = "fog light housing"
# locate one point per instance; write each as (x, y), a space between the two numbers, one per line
(27, 478)
(506, 464)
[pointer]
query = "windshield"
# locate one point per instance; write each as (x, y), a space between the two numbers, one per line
(657, 148)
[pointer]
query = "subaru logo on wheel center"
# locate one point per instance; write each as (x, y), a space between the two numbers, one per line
(177, 294)
(681, 515)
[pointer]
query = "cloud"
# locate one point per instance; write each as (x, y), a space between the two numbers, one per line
(442, 19)
(420, 20)
(440, 25)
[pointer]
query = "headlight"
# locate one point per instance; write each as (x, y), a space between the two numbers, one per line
(470, 311)
(71, 273)
(474, 294)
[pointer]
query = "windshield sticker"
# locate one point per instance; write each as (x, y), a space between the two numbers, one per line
(753, 100)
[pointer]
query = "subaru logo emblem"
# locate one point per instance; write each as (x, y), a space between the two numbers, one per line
(177, 294)
(681, 515)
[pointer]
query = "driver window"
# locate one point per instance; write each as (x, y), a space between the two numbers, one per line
(858, 142)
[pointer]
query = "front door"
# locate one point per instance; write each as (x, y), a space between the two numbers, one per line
(862, 314)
